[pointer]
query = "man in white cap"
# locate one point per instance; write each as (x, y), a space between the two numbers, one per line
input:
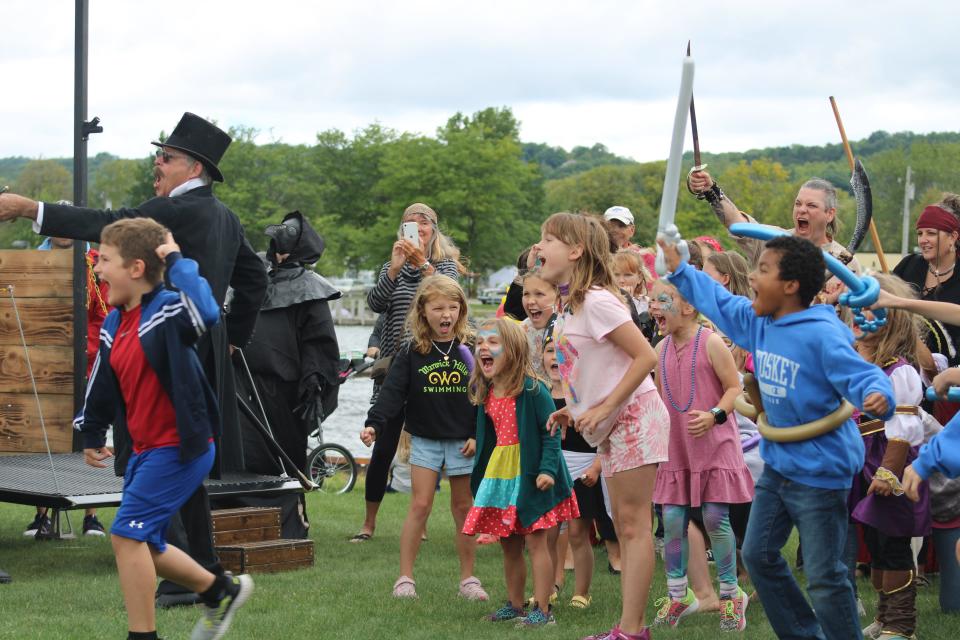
(621, 227)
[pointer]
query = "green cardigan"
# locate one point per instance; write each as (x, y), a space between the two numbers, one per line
(539, 453)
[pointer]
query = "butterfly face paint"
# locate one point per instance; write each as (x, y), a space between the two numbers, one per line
(489, 351)
(665, 303)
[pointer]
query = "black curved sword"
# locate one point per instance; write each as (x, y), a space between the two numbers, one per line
(693, 130)
(860, 184)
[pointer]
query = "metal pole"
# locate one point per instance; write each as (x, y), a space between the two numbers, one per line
(80, 199)
(908, 194)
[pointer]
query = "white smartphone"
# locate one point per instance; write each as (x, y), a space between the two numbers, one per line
(411, 232)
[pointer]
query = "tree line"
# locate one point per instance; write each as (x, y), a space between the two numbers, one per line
(492, 190)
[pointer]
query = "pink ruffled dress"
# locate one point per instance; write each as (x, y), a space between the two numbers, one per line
(705, 469)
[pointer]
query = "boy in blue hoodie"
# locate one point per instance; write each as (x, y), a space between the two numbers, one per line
(806, 365)
(147, 368)
(941, 454)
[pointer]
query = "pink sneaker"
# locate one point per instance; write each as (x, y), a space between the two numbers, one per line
(617, 634)
(733, 612)
(671, 611)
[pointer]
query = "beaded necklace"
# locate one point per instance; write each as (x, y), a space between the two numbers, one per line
(693, 371)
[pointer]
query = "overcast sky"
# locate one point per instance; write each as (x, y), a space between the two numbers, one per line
(574, 73)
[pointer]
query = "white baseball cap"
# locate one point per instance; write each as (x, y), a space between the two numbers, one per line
(621, 214)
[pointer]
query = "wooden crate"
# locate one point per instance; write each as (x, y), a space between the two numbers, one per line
(247, 524)
(269, 556)
(42, 283)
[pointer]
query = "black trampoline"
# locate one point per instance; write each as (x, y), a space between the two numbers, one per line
(29, 479)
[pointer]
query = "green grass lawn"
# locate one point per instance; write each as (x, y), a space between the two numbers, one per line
(69, 589)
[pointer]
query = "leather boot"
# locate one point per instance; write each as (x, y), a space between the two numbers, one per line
(900, 617)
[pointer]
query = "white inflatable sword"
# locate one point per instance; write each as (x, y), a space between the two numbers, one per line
(666, 229)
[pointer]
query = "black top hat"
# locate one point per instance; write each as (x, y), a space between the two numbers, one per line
(201, 139)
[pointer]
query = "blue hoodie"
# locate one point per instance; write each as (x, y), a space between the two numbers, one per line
(806, 364)
(942, 453)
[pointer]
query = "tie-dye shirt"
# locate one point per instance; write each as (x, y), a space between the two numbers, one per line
(590, 365)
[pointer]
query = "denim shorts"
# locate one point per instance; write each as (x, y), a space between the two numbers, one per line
(439, 454)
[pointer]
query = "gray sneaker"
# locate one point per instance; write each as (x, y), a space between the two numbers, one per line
(216, 620)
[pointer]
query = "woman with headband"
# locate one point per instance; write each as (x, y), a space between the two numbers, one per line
(933, 273)
(399, 278)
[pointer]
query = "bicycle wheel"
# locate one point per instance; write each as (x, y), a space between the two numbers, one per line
(332, 468)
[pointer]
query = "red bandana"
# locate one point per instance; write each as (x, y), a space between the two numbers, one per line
(934, 217)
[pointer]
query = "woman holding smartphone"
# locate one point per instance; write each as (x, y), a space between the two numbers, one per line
(420, 251)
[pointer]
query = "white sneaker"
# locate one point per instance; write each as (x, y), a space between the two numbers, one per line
(873, 630)
(216, 620)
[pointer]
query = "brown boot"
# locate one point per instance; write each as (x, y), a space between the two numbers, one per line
(900, 617)
(873, 630)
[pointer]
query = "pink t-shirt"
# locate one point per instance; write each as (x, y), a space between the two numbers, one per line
(590, 365)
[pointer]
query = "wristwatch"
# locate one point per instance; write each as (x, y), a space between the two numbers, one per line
(423, 268)
(719, 415)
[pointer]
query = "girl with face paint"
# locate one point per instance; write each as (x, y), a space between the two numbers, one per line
(698, 379)
(521, 486)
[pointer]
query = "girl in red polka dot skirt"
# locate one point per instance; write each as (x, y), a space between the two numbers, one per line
(520, 483)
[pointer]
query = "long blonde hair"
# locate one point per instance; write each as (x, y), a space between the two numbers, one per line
(632, 262)
(516, 364)
(592, 269)
(441, 246)
(734, 266)
(898, 337)
(437, 285)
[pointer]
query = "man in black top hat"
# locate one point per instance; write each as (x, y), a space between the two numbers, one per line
(211, 234)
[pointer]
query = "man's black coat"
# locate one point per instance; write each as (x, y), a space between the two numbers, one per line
(211, 234)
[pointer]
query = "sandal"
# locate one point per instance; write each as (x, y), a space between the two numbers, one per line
(404, 587)
(471, 589)
(360, 537)
(581, 602)
(554, 597)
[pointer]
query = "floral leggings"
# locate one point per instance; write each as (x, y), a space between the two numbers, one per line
(716, 519)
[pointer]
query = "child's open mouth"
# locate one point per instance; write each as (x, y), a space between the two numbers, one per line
(658, 319)
(445, 326)
(486, 364)
(534, 314)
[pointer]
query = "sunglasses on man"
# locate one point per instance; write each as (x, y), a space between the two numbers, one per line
(167, 156)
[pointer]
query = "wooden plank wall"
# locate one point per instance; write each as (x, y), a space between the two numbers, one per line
(43, 286)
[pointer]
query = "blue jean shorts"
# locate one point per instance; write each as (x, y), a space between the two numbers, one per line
(439, 454)
(155, 485)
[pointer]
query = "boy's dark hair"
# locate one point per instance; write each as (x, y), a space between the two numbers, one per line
(138, 239)
(522, 260)
(802, 261)
(696, 254)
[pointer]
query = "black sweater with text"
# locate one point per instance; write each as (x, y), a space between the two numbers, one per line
(430, 390)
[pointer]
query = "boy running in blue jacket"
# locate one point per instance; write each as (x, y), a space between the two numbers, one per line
(147, 367)
(806, 365)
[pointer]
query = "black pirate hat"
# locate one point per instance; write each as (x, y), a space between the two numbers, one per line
(201, 139)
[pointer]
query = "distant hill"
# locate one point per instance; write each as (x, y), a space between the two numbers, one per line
(11, 167)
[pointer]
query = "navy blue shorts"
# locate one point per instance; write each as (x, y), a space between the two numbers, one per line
(155, 486)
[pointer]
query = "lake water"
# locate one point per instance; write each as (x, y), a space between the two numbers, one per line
(343, 427)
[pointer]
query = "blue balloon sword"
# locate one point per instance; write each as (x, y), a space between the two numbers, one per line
(861, 291)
